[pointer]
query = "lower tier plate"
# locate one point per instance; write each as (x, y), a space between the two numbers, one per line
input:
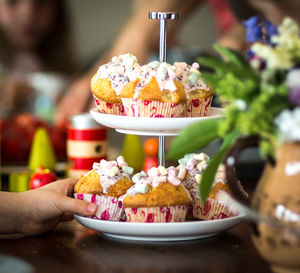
(189, 230)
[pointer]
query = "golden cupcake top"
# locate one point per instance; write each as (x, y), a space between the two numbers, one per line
(162, 187)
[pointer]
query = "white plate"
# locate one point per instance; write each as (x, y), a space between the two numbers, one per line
(189, 230)
(150, 126)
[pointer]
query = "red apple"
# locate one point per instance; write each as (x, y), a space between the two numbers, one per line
(41, 177)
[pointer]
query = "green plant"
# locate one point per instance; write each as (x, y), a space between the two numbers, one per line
(253, 92)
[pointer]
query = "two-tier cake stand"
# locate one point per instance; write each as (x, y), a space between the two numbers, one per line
(160, 127)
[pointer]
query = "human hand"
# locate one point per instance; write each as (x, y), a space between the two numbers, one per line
(42, 209)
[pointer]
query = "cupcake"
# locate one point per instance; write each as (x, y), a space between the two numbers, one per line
(158, 197)
(165, 90)
(109, 81)
(157, 93)
(216, 207)
(106, 185)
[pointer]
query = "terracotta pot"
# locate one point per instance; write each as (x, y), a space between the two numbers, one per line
(277, 201)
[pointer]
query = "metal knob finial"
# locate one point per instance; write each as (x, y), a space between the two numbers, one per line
(163, 16)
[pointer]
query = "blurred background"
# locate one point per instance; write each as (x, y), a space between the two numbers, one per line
(91, 34)
(40, 65)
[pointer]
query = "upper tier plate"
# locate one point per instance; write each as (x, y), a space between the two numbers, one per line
(150, 126)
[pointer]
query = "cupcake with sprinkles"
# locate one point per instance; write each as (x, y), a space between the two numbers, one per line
(216, 207)
(106, 185)
(165, 90)
(109, 81)
(158, 197)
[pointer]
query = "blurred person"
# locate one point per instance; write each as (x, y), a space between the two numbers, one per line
(34, 37)
(140, 36)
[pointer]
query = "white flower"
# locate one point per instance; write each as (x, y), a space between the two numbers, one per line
(241, 104)
(293, 78)
(275, 58)
(288, 123)
(287, 32)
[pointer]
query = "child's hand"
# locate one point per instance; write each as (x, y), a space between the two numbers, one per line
(40, 210)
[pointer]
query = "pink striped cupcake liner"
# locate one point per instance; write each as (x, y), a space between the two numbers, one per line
(109, 108)
(152, 109)
(212, 209)
(198, 107)
(157, 214)
(109, 208)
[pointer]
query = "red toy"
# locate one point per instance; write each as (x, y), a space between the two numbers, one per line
(151, 152)
(41, 177)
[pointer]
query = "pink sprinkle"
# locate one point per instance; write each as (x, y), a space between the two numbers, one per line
(120, 204)
(114, 200)
(105, 215)
(150, 218)
(93, 199)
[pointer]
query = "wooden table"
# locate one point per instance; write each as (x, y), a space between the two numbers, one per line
(74, 248)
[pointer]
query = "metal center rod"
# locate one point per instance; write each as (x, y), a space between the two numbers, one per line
(162, 58)
(162, 16)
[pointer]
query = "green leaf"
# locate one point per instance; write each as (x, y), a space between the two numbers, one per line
(210, 78)
(210, 172)
(233, 56)
(211, 62)
(194, 137)
(222, 67)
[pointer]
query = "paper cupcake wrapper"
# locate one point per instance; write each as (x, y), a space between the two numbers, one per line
(109, 108)
(152, 109)
(157, 214)
(198, 107)
(213, 209)
(109, 208)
